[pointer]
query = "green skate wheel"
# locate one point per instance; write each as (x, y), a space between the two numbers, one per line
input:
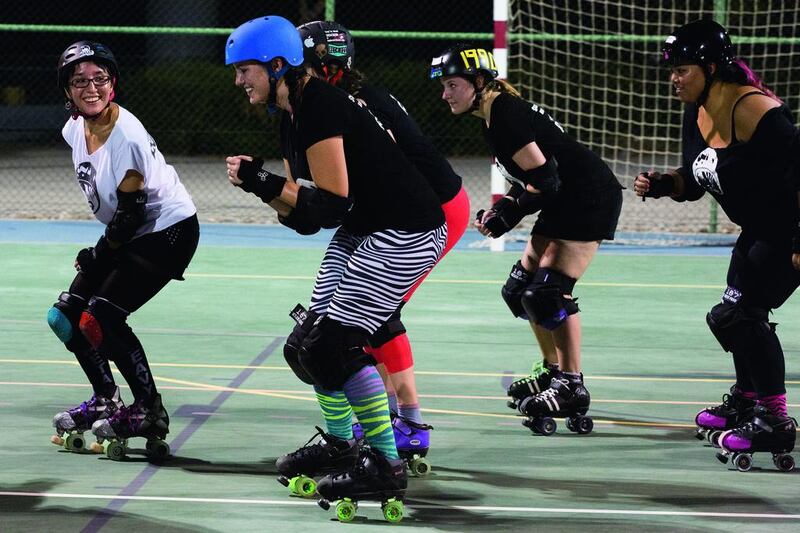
(420, 466)
(345, 510)
(115, 450)
(74, 442)
(303, 486)
(392, 510)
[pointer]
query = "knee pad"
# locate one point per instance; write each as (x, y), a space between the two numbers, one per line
(102, 323)
(734, 325)
(515, 285)
(333, 352)
(544, 299)
(291, 349)
(63, 317)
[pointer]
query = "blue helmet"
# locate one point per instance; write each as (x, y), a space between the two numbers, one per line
(263, 39)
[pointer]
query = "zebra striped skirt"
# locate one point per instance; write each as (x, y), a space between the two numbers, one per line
(362, 279)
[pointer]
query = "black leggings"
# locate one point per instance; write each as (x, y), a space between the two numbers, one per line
(762, 277)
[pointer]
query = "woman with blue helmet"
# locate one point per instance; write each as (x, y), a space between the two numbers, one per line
(391, 231)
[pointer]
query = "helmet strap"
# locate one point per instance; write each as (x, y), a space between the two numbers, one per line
(272, 99)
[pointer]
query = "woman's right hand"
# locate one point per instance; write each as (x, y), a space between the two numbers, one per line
(233, 163)
(641, 184)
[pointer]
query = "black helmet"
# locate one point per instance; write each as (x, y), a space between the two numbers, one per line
(339, 46)
(464, 60)
(85, 51)
(700, 42)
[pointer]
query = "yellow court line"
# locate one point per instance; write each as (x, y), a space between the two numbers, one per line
(417, 372)
(468, 281)
(596, 421)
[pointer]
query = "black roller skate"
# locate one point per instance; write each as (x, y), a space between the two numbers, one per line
(734, 411)
(151, 423)
(74, 422)
(562, 400)
(765, 432)
(538, 381)
(374, 477)
(328, 455)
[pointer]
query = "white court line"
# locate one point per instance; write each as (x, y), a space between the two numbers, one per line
(472, 508)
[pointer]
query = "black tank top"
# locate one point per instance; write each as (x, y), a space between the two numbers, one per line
(753, 180)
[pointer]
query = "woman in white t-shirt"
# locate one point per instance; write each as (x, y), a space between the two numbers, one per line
(150, 237)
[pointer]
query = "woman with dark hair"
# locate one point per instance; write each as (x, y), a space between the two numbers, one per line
(150, 237)
(330, 54)
(580, 201)
(391, 231)
(741, 146)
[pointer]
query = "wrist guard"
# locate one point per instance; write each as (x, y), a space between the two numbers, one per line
(259, 181)
(660, 184)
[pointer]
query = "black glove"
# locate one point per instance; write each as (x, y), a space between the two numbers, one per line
(259, 181)
(506, 213)
(660, 184)
(96, 259)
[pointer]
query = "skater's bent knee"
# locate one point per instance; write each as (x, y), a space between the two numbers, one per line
(332, 352)
(545, 299)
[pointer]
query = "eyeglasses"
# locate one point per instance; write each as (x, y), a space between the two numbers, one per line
(97, 81)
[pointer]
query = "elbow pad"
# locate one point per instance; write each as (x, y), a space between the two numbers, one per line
(544, 178)
(128, 218)
(322, 208)
(297, 222)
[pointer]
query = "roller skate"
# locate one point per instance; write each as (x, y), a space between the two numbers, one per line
(74, 422)
(538, 381)
(136, 420)
(734, 410)
(413, 441)
(765, 432)
(562, 400)
(374, 477)
(327, 456)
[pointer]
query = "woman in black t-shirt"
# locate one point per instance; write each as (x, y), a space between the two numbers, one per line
(740, 145)
(580, 201)
(391, 230)
(330, 53)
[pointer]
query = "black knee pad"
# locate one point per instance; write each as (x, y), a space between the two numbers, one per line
(104, 326)
(736, 326)
(64, 317)
(333, 352)
(392, 328)
(305, 321)
(544, 299)
(518, 280)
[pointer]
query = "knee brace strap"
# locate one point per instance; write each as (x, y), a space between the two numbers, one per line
(332, 352)
(544, 299)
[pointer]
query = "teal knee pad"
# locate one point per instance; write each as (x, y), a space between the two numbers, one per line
(60, 324)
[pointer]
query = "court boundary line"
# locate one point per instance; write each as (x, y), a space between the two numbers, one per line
(471, 508)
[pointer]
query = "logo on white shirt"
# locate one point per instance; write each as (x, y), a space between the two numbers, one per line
(85, 173)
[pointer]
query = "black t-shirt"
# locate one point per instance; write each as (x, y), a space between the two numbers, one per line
(387, 191)
(515, 123)
(414, 144)
(752, 181)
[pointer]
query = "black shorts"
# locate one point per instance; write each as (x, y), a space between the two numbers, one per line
(166, 252)
(580, 216)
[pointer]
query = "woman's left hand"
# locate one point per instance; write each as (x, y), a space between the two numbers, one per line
(233, 163)
(796, 261)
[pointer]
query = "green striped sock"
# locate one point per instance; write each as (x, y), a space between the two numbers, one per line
(337, 412)
(368, 397)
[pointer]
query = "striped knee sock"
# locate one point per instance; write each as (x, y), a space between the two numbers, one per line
(775, 404)
(337, 412)
(367, 395)
(411, 412)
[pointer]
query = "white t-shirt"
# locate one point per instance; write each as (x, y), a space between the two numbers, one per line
(128, 147)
